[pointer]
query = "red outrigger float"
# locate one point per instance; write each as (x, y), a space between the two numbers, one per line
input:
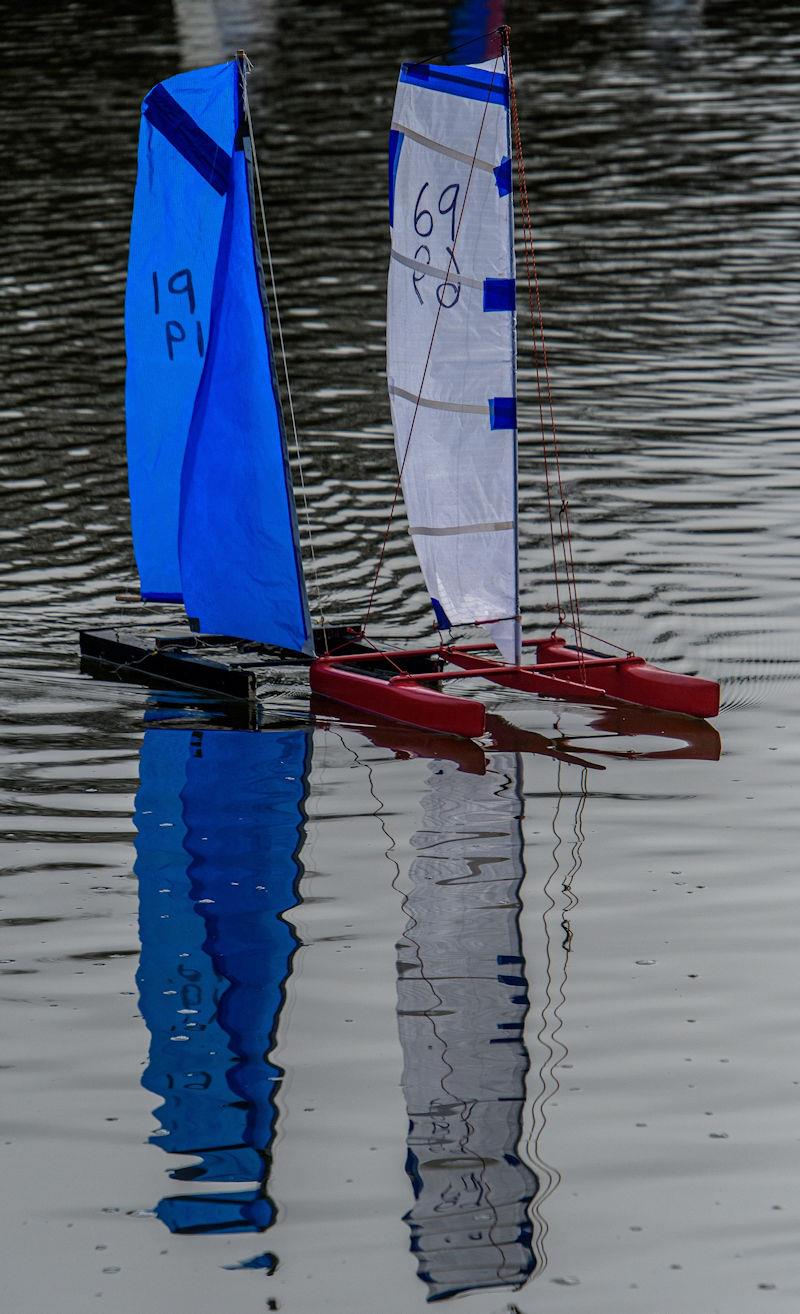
(380, 682)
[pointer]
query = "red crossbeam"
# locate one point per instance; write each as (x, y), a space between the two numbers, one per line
(497, 668)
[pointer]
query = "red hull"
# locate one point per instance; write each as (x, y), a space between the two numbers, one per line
(559, 672)
(636, 681)
(404, 702)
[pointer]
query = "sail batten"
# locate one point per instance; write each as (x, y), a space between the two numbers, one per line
(451, 337)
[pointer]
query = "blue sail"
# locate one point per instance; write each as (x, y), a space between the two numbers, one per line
(212, 506)
(186, 142)
(219, 819)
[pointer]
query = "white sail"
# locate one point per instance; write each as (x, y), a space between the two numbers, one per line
(451, 338)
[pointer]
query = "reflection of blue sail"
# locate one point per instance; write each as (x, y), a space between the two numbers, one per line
(462, 1001)
(219, 816)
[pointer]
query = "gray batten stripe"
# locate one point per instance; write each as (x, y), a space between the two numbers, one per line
(489, 527)
(462, 408)
(437, 273)
(443, 150)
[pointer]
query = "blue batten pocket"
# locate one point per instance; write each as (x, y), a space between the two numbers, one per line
(499, 294)
(502, 412)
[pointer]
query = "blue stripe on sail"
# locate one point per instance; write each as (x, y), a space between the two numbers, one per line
(442, 622)
(188, 138)
(502, 412)
(459, 80)
(395, 146)
(502, 176)
(147, 596)
(499, 294)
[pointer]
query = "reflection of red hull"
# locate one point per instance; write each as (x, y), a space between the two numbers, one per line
(381, 683)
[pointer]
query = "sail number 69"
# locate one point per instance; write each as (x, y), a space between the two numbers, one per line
(447, 293)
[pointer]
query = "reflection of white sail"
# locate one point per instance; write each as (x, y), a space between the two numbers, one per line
(198, 32)
(208, 32)
(462, 1001)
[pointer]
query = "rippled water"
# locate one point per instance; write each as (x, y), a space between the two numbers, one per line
(387, 909)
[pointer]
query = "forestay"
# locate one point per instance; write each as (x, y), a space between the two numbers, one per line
(451, 338)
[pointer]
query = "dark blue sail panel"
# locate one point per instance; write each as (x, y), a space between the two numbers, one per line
(219, 818)
(186, 141)
(239, 553)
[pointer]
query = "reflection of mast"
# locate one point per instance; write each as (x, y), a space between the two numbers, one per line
(462, 1002)
(220, 817)
(560, 901)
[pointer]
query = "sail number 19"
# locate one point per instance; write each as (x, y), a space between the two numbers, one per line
(179, 284)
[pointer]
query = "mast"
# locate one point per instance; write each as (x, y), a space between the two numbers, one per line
(505, 39)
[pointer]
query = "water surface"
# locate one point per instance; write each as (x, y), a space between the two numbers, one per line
(529, 1026)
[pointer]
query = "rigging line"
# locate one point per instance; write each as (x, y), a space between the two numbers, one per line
(245, 67)
(379, 652)
(452, 249)
(545, 457)
(587, 634)
(555, 994)
(559, 998)
(533, 287)
(546, 1036)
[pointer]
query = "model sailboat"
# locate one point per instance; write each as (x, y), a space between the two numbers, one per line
(212, 505)
(451, 367)
(213, 511)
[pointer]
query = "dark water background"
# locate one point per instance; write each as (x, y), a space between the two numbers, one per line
(504, 1050)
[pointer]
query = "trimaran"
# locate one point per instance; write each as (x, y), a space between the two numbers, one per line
(212, 503)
